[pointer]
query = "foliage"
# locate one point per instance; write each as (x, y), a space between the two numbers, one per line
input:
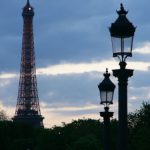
(85, 143)
(83, 134)
(139, 125)
(79, 134)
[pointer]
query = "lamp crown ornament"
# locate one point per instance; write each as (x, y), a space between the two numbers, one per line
(106, 84)
(106, 75)
(122, 27)
(122, 11)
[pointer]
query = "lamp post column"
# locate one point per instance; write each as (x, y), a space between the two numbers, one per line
(123, 74)
(106, 116)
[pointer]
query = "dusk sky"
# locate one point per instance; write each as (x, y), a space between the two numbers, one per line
(73, 49)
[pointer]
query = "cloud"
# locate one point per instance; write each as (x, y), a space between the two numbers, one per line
(56, 119)
(143, 49)
(57, 115)
(68, 109)
(8, 75)
(8, 109)
(79, 68)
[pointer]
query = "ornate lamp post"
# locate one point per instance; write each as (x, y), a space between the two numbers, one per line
(106, 88)
(122, 34)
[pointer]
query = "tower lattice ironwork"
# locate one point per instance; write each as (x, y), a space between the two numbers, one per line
(28, 108)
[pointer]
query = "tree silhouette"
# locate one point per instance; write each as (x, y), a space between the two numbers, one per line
(82, 134)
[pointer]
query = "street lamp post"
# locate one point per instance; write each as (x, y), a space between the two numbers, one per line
(122, 34)
(106, 89)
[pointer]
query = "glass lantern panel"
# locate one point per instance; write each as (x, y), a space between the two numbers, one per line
(116, 45)
(109, 96)
(122, 46)
(106, 97)
(103, 96)
(127, 44)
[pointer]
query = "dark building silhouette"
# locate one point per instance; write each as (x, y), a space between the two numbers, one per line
(28, 108)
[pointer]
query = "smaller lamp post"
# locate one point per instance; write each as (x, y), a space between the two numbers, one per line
(106, 89)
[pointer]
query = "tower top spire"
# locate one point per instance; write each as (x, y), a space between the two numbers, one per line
(28, 10)
(28, 2)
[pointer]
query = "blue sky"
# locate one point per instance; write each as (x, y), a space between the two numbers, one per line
(73, 48)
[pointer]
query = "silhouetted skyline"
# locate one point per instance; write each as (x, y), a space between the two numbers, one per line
(73, 49)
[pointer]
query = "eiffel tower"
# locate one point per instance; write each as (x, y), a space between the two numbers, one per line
(28, 108)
